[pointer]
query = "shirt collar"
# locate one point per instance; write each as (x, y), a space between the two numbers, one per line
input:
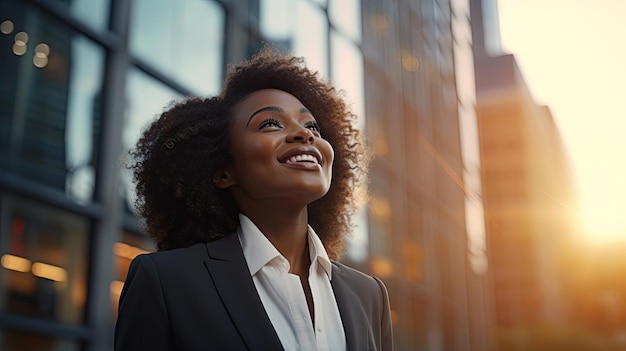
(259, 251)
(318, 252)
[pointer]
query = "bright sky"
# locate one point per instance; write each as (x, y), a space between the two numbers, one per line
(573, 56)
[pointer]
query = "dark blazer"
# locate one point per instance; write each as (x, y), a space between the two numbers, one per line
(203, 298)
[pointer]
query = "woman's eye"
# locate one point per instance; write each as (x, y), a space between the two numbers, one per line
(313, 126)
(270, 122)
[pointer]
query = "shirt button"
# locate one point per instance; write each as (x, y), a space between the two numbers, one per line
(319, 329)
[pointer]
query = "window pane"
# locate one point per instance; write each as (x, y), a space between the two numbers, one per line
(124, 252)
(13, 340)
(84, 117)
(347, 73)
(311, 37)
(93, 12)
(50, 102)
(297, 26)
(272, 28)
(346, 16)
(44, 261)
(183, 38)
(146, 100)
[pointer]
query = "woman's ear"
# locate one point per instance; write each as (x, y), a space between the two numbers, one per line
(222, 179)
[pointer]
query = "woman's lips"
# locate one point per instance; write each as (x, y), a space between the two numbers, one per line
(302, 158)
(301, 155)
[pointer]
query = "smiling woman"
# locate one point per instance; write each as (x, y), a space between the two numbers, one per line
(249, 195)
(278, 154)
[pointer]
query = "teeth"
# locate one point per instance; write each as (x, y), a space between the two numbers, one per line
(302, 158)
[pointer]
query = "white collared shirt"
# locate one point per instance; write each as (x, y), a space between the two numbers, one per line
(283, 297)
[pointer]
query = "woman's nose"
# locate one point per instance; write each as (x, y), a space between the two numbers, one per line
(302, 135)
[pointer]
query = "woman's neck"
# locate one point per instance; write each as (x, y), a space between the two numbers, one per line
(287, 230)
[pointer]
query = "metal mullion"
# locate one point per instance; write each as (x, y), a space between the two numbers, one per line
(36, 325)
(44, 194)
(236, 34)
(105, 38)
(105, 233)
(161, 77)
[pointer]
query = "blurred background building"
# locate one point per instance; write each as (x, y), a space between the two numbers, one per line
(540, 274)
(79, 79)
(425, 221)
(527, 185)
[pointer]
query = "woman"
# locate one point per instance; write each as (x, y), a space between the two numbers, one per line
(236, 191)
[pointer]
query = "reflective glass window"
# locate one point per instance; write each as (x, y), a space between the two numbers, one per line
(298, 26)
(93, 12)
(270, 12)
(43, 261)
(347, 72)
(84, 117)
(346, 17)
(50, 101)
(357, 243)
(182, 38)
(124, 251)
(470, 150)
(14, 340)
(380, 214)
(311, 37)
(146, 99)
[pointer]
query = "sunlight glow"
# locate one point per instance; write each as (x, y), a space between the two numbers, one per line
(39, 269)
(116, 288)
(127, 251)
(603, 215)
(578, 72)
(15, 263)
(48, 271)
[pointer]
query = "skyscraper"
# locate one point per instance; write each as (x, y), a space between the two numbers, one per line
(527, 187)
(426, 229)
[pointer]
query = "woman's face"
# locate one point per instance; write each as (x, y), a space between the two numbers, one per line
(277, 151)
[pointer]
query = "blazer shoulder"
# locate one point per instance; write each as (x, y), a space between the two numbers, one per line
(175, 257)
(188, 260)
(347, 270)
(356, 278)
(363, 298)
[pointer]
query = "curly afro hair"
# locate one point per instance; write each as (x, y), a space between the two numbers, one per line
(178, 154)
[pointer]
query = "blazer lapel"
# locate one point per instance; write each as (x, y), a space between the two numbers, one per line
(228, 269)
(349, 308)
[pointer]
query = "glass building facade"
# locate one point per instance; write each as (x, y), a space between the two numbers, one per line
(79, 79)
(426, 223)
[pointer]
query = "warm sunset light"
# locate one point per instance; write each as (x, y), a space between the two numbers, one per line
(15, 263)
(116, 288)
(39, 269)
(603, 219)
(48, 271)
(127, 251)
(579, 72)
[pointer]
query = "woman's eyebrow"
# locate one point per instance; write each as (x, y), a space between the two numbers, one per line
(266, 108)
(276, 109)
